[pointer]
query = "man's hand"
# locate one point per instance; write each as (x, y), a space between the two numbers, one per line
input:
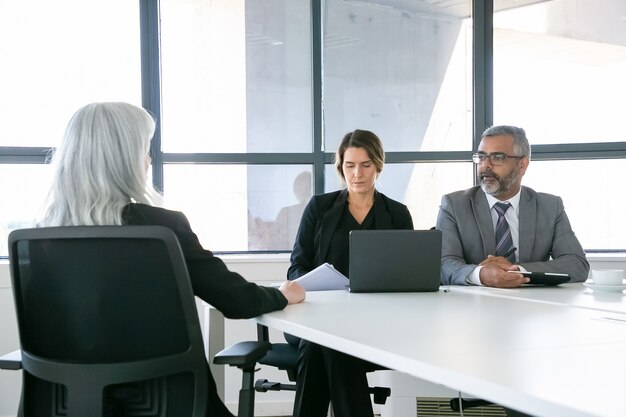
(493, 275)
(500, 262)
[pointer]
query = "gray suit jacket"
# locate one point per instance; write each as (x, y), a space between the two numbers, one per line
(545, 232)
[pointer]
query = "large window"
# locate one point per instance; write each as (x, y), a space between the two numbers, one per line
(405, 74)
(559, 70)
(236, 207)
(253, 96)
(55, 57)
(236, 81)
(590, 192)
(559, 73)
(402, 72)
(236, 76)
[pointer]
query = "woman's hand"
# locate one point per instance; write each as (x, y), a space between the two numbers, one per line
(293, 292)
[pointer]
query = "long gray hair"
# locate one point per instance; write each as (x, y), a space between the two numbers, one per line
(100, 166)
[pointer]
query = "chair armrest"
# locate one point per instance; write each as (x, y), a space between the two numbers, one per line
(11, 361)
(242, 354)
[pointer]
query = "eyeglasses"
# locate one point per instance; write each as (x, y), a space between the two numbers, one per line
(495, 159)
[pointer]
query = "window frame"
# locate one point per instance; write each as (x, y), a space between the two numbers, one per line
(482, 67)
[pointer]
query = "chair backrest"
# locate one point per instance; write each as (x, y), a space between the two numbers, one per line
(107, 323)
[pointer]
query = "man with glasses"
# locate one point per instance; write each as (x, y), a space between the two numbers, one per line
(499, 226)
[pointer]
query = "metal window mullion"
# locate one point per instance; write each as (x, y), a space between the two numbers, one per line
(482, 67)
(239, 158)
(419, 156)
(579, 151)
(24, 155)
(149, 14)
(317, 74)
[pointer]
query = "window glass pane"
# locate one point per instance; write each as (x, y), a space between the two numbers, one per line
(590, 190)
(400, 69)
(60, 55)
(21, 200)
(239, 207)
(559, 70)
(236, 75)
(419, 186)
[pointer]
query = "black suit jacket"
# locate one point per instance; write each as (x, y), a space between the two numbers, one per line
(320, 219)
(211, 280)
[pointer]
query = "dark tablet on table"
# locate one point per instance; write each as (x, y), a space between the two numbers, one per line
(544, 278)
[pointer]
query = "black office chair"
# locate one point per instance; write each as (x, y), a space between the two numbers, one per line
(284, 356)
(108, 325)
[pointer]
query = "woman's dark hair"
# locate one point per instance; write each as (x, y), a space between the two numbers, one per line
(361, 139)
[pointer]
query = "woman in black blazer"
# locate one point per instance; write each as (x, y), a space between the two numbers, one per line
(100, 178)
(324, 374)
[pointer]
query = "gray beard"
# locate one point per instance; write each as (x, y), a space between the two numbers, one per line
(503, 184)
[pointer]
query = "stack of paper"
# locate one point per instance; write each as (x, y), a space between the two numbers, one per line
(323, 278)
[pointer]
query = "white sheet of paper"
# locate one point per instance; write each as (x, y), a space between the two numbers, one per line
(323, 278)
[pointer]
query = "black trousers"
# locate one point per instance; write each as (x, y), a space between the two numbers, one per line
(325, 375)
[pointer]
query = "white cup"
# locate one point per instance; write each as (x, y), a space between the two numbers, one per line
(607, 276)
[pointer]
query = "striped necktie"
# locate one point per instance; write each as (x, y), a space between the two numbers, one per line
(504, 242)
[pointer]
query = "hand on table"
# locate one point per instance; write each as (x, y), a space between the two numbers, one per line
(495, 273)
(293, 292)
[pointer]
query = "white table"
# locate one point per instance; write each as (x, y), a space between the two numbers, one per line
(573, 295)
(546, 359)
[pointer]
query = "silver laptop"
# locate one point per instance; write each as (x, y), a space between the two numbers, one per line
(395, 260)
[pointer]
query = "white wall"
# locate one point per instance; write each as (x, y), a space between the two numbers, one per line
(10, 382)
(261, 269)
